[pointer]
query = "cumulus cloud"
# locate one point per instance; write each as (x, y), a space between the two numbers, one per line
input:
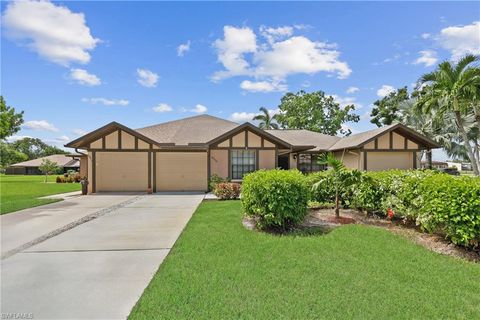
(106, 102)
(461, 40)
(41, 125)
(263, 86)
(248, 116)
(385, 90)
(81, 76)
(427, 58)
(16, 138)
(52, 31)
(62, 139)
(79, 132)
(351, 90)
(147, 78)
(183, 48)
(281, 56)
(199, 109)
(162, 107)
(426, 35)
(345, 101)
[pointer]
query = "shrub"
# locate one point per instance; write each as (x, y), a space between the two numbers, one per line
(60, 179)
(227, 190)
(215, 179)
(275, 198)
(77, 177)
(450, 205)
(326, 191)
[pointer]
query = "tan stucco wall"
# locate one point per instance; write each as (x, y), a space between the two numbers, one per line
(351, 159)
(83, 166)
(142, 144)
(254, 141)
(97, 144)
(224, 144)
(412, 145)
(377, 161)
(384, 141)
(266, 159)
(398, 141)
(239, 140)
(181, 171)
(128, 141)
(111, 140)
(268, 144)
(89, 173)
(121, 171)
(370, 145)
(219, 162)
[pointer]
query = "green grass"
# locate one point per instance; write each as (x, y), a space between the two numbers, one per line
(219, 270)
(19, 192)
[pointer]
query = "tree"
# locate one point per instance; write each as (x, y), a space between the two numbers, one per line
(35, 148)
(387, 109)
(47, 166)
(266, 121)
(342, 178)
(315, 111)
(9, 155)
(450, 90)
(10, 120)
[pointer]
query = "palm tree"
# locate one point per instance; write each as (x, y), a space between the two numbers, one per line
(450, 89)
(266, 121)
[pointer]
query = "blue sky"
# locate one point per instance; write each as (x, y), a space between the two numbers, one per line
(75, 66)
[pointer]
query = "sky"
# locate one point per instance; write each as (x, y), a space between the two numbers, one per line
(75, 66)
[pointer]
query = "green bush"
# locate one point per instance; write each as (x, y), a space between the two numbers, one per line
(215, 179)
(275, 198)
(450, 205)
(227, 190)
(326, 191)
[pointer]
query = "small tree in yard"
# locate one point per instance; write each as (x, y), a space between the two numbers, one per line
(47, 167)
(342, 178)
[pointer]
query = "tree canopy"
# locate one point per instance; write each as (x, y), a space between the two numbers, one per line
(315, 111)
(387, 110)
(10, 120)
(35, 148)
(266, 121)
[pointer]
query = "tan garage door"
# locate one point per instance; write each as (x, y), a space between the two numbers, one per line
(121, 171)
(181, 171)
(377, 161)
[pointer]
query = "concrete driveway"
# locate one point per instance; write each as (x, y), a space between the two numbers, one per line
(98, 269)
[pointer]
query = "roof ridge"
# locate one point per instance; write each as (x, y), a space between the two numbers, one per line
(187, 118)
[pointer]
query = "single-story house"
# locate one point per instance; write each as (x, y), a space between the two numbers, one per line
(461, 166)
(435, 165)
(182, 155)
(30, 167)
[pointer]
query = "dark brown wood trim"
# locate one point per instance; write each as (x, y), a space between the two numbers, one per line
(391, 140)
(229, 163)
(150, 146)
(149, 170)
(154, 171)
(119, 139)
(262, 143)
(136, 143)
(276, 158)
(225, 148)
(376, 144)
(257, 159)
(246, 138)
(147, 150)
(391, 150)
(230, 142)
(103, 142)
(405, 143)
(208, 168)
(365, 160)
(94, 172)
(414, 160)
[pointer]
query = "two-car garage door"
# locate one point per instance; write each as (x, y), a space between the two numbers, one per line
(128, 171)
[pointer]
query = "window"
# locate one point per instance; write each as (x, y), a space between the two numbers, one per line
(243, 161)
(309, 163)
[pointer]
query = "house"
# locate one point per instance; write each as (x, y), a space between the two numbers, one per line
(30, 167)
(435, 165)
(182, 155)
(461, 166)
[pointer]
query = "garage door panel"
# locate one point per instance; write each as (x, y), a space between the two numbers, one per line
(181, 171)
(121, 171)
(377, 161)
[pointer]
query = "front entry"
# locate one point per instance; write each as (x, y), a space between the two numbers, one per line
(283, 162)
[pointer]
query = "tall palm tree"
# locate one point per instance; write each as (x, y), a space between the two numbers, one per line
(266, 121)
(450, 90)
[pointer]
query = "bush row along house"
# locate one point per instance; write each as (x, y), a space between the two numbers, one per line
(182, 155)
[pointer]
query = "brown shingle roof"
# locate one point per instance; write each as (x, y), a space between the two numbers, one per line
(192, 130)
(305, 138)
(61, 160)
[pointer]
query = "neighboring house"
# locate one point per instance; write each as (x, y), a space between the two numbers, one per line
(461, 166)
(182, 155)
(30, 167)
(435, 165)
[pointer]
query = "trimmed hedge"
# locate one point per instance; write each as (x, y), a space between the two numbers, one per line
(275, 198)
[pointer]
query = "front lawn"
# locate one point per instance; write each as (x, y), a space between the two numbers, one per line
(19, 192)
(220, 270)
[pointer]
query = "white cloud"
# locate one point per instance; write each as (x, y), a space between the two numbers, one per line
(248, 116)
(345, 101)
(106, 102)
(385, 90)
(53, 31)
(183, 48)
(162, 107)
(199, 109)
(84, 78)
(263, 86)
(276, 59)
(62, 139)
(347, 127)
(231, 50)
(147, 78)
(41, 125)
(461, 40)
(79, 132)
(426, 35)
(351, 90)
(427, 58)
(16, 138)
